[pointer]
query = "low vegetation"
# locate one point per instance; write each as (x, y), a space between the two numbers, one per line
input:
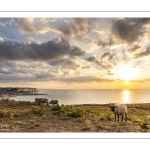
(68, 111)
(25, 116)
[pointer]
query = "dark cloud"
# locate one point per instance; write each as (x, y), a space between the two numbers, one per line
(91, 59)
(79, 27)
(46, 51)
(108, 55)
(143, 54)
(129, 29)
(133, 49)
(99, 62)
(65, 63)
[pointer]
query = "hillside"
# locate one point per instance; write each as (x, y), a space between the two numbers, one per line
(25, 116)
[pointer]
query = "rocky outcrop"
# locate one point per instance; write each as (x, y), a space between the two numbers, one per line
(17, 91)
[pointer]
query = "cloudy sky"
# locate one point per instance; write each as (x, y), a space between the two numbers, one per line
(70, 53)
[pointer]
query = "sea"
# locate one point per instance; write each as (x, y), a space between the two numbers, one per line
(90, 96)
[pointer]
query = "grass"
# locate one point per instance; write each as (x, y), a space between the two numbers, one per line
(102, 127)
(25, 116)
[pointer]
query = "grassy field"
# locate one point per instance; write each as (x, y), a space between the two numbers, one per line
(25, 116)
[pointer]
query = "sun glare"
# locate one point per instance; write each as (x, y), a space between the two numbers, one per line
(126, 72)
(126, 96)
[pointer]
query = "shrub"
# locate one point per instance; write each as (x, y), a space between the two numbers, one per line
(68, 111)
(106, 116)
(12, 114)
(15, 128)
(144, 125)
(56, 107)
(88, 122)
(76, 113)
(6, 113)
(3, 113)
(37, 110)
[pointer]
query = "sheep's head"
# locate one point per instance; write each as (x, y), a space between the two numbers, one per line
(112, 108)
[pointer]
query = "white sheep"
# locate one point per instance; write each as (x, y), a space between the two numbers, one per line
(119, 109)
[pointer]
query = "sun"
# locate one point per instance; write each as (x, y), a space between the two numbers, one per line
(126, 72)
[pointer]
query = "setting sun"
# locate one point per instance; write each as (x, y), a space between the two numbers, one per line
(126, 72)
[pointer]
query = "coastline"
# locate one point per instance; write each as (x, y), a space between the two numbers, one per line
(10, 96)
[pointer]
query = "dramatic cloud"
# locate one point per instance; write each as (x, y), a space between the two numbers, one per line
(72, 50)
(143, 54)
(79, 27)
(129, 29)
(46, 51)
(65, 63)
(99, 61)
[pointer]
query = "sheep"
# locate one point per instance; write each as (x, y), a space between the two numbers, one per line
(53, 102)
(41, 100)
(119, 109)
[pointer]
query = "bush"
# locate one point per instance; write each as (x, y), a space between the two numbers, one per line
(68, 111)
(15, 128)
(106, 116)
(37, 110)
(145, 125)
(76, 113)
(5, 113)
(56, 107)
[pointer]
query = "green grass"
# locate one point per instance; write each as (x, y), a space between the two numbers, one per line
(68, 111)
(38, 110)
(106, 116)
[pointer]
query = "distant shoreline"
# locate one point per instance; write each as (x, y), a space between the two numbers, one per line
(10, 96)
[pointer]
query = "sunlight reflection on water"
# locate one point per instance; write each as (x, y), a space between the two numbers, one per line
(126, 96)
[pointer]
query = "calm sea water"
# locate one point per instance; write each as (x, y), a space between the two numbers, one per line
(71, 96)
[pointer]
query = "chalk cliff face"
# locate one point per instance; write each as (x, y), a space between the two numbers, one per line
(18, 90)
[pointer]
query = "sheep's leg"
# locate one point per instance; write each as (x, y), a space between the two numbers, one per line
(122, 118)
(115, 117)
(125, 117)
(118, 117)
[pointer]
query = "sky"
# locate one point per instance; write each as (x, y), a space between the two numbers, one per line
(75, 53)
